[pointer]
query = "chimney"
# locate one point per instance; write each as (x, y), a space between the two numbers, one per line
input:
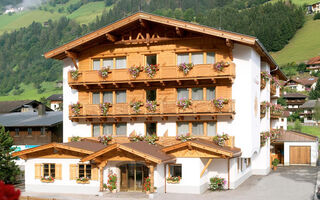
(41, 109)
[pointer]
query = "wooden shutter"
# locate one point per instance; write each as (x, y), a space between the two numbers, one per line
(37, 172)
(58, 170)
(73, 171)
(94, 172)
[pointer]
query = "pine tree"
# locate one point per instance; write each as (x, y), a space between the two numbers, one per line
(9, 171)
(315, 93)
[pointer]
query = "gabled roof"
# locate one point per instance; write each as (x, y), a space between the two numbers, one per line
(314, 60)
(307, 81)
(295, 136)
(56, 97)
(91, 38)
(294, 96)
(31, 119)
(15, 106)
(310, 104)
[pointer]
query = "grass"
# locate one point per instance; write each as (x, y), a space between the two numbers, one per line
(313, 130)
(31, 93)
(301, 2)
(304, 45)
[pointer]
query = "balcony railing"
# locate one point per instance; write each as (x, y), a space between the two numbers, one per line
(165, 73)
(166, 108)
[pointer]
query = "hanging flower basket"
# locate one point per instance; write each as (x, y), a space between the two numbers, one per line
(105, 107)
(184, 138)
(83, 180)
(220, 103)
(264, 108)
(151, 70)
(47, 179)
(135, 71)
(264, 78)
(104, 72)
(174, 179)
(219, 66)
(136, 106)
(185, 67)
(75, 109)
(75, 74)
(151, 106)
(221, 139)
(184, 103)
(105, 139)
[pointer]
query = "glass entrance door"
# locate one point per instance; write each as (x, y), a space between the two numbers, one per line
(132, 177)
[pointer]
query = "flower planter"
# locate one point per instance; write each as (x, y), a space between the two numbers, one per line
(262, 83)
(148, 192)
(274, 168)
(47, 181)
(114, 191)
(173, 182)
(83, 182)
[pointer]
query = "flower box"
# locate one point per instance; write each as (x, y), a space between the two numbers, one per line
(262, 83)
(83, 182)
(173, 180)
(219, 66)
(47, 179)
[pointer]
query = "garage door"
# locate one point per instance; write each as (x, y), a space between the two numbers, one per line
(300, 154)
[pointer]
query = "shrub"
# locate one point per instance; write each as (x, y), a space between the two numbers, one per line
(316, 16)
(297, 125)
(217, 183)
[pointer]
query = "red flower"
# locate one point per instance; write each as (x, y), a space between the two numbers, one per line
(8, 192)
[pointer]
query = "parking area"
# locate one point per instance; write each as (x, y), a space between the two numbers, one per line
(294, 183)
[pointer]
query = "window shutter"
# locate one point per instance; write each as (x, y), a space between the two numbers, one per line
(94, 172)
(73, 171)
(37, 173)
(58, 170)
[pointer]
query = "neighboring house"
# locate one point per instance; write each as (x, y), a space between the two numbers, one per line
(56, 101)
(296, 148)
(313, 64)
(20, 106)
(308, 111)
(294, 101)
(302, 84)
(148, 40)
(30, 129)
(282, 122)
(314, 8)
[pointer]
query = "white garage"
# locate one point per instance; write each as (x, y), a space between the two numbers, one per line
(296, 148)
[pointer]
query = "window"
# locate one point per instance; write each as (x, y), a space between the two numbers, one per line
(211, 93)
(85, 171)
(151, 95)
(96, 64)
(29, 131)
(121, 63)
(183, 128)
(197, 94)
(107, 129)
(16, 131)
(108, 97)
(183, 58)
(49, 170)
(210, 58)
(96, 130)
(108, 63)
(43, 130)
(96, 98)
(211, 129)
(183, 93)
(197, 128)
(121, 96)
(151, 59)
(151, 128)
(197, 58)
(175, 170)
(121, 129)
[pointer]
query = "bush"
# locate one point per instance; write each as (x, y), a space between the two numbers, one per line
(297, 125)
(275, 162)
(217, 183)
(316, 16)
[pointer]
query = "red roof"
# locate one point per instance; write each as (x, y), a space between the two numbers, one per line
(314, 61)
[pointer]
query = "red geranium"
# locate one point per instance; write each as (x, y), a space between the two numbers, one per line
(8, 192)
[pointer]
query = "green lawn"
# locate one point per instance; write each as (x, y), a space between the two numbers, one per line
(301, 2)
(30, 93)
(313, 130)
(304, 45)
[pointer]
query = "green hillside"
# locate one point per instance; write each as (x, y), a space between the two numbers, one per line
(304, 45)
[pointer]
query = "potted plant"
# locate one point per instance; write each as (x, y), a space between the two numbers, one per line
(75, 74)
(275, 163)
(221, 139)
(75, 109)
(104, 72)
(47, 179)
(136, 106)
(147, 185)
(184, 103)
(151, 106)
(220, 103)
(136, 138)
(105, 139)
(219, 66)
(105, 107)
(151, 70)
(112, 182)
(185, 67)
(173, 179)
(135, 71)
(151, 139)
(83, 180)
(217, 183)
(184, 138)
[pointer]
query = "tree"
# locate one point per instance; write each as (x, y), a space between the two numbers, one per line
(315, 93)
(297, 125)
(282, 101)
(9, 171)
(316, 114)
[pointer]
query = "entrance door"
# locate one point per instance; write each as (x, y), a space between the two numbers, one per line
(132, 177)
(300, 154)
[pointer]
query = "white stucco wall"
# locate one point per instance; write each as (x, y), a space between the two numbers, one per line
(314, 151)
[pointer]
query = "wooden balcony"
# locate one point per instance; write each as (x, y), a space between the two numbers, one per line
(273, 89)
(164, 109)
(200, 74)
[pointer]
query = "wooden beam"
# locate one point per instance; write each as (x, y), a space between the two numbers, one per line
(205, 167)
(116, 85)
(164, 118)
(101, 166)
(73, 57)
(131, 84)
(146, 83)
(151, 175)
(111, 37)
(162, 83)
(179, 82)
(179, 31)
(143, 24)
(196, 81)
